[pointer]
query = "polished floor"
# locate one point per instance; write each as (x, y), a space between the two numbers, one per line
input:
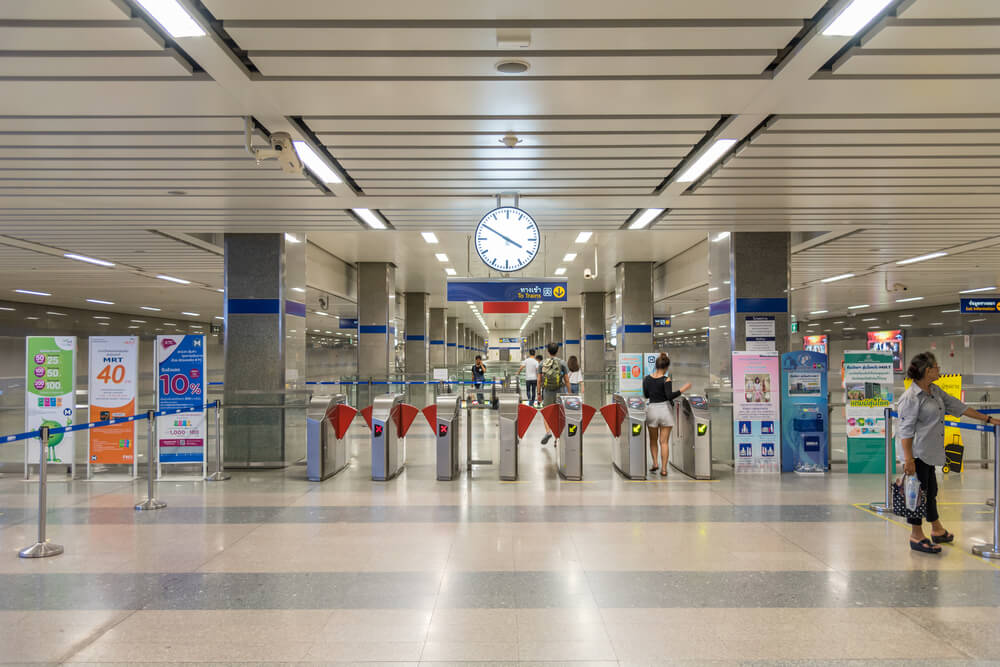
(269, 568)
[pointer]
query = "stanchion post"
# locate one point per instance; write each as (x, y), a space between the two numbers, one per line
(993, 550)
(42, 548)
(890, 458)
(218, 475)
(151, 503)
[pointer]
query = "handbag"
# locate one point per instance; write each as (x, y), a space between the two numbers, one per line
(899, 507)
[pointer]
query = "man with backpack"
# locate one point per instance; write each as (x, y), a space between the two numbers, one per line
(553, 375)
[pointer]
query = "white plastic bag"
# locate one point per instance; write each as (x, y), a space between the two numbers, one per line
(911, 489)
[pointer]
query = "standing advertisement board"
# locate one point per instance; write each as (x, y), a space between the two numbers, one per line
(804, 412)
(630, 369)
(888, 341)
(180, 373)
(867, 393)
(818, 343)
(756, 412)
(112, 387)
(49, 394)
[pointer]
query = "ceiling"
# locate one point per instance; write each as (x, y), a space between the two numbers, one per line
(121, 142)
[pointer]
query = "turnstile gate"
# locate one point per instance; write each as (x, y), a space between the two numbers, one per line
(388, 444)
(327, 456)
(628, 453)
(447, 425)
(691, 439)
(570, 451)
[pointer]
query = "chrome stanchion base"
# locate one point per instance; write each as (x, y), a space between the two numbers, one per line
(217, 477)
(986, 550)
(150, 504)
(881, 508)
(990, 502)
(41, 550)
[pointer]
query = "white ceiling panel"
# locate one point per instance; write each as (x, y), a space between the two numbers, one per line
(121, 36)
(911, 120)
(934, 37)
(869, 62)
(148, 64)
(62, 9)
(451, 122)
(934, 9)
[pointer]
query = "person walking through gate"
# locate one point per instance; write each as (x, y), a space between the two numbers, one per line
(478, 378)
(659, 391)
(553, 375)
(530, 368)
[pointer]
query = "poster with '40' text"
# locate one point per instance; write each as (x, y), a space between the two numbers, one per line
(112, 386)
(180, 374)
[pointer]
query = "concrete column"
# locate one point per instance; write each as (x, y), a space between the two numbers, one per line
(557, 334)
(571, 333)
(417, 337)
(634, 306)
(461, 344)
(546, 334)
(376, 326)
(451, 342)
(592, 325)
(265, 334)
(436, 332)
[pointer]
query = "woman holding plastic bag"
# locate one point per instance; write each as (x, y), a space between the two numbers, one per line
(921, 411)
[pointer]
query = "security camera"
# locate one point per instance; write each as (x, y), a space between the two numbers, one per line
(587, 274)
(283, 150)
(323, 303)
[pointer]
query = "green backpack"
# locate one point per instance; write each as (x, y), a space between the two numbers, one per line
(551, 373)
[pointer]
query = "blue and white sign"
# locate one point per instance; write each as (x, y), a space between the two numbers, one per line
(507, 290)
(760, 333)
(180, 372)
(348, 323)
(661, 322)
(804, 412)
(981, 305)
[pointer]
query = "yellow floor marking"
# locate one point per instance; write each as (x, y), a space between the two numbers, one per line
(672, 481)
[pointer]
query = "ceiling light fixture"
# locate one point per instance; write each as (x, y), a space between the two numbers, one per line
(855, 16)
(583, 237)
(722, 236)
(191, 314)
(978, 289)
(219, 317)
(89, 260)
(951, 310)
(842, 276)
(869, 319)
(451, 272)
(862, 305)
(291, 238)
(179, 281)
(320, 312)
(156, 310)
(430, 237)
(707, 159)
(561, 271)
(818, 312)
(101, 301)
(936, 324)
(52, 312)
(922, 258)
(569, 257)
(139, 321)
(369, 217)
(101, 317)
(646, 217)
(32, 292)
(314, 163)
(173, 18)
(912, 298)
(441, 257)
(902, 316)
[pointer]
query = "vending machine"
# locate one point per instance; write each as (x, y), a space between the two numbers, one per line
(804, 412)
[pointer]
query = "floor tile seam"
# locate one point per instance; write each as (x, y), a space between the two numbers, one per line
(96, 636)
(437, 598)
(807, 551)
(943, 638)
(221, 553)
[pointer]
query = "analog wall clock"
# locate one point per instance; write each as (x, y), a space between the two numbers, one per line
(507, 239)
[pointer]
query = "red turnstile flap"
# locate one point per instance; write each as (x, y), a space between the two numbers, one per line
(367, 414)
(525, 414)
(340, 417)
(588, 413)
(404, 418)
(614, 418)
(431, 414)
(555, 418)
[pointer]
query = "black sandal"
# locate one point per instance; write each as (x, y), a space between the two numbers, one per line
(925, 546)
(654, 468)
(943, 539)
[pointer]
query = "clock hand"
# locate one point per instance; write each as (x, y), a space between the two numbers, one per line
(508, 240)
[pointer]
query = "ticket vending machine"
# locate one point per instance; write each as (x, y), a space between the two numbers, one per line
(445, 419)
(327, 455)
(569, 418)
(628, 453)
(515, 419)
(389, 418)
(691, 438)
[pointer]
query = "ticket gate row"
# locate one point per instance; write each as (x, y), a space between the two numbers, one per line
(691, 439)
(626, 418)
(326, 452)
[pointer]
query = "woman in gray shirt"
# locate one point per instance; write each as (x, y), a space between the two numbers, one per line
(921, 411)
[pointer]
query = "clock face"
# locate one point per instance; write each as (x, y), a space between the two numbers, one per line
(507, 239)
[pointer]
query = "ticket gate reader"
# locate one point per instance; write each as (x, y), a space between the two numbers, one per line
(445, 419)
(569, 418)
(626, 417)
(515, 419)
(691, 439)
(389, 418)
(327, 455)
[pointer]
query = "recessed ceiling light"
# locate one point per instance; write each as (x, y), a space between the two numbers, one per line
(301, 290)
(89, 260)
(842, 276)
(451, 272)
(219, 317)
(31, 318)
(441, 257)
(291, 238)
(172, 17)
(369, 217)
(561, 271)
(912, 298)
(220, 290)
(839, 322)
(863, 305)
(922, 258)
(707, 159)
(315, 164)
(320, 312)
(51, 312)
(512, 66)
(104, 324)
(906, 325)
(850, 329)
(855, 16)
(430, 237)
(133, 326)
(32, 292)
(868, 319)
(101, 301)
(569, 257)
(190, 314)
(8, 309)
(179, 281)
(901, 316)
(646, 217)
(978, 289)
(952, 310)
(583, 237)
(818, 312)
(936, 324)
(722, 236)
(981, 319)
(149, 308)
(101, 317)
(169, 324)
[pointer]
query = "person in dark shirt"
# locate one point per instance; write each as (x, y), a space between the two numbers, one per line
(478, 378)
(659, 391)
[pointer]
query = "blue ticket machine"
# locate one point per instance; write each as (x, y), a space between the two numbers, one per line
(804, 412)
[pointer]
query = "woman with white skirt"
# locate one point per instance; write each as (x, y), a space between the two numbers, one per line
(660, 394)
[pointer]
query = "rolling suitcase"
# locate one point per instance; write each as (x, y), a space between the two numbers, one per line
(953, 453)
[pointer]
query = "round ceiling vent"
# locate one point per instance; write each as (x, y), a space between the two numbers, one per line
(177, 193)
(512, 66)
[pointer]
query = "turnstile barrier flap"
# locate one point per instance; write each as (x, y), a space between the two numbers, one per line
(554, 417)
(614, 416)
(588, 413)
(367, 414)
(431, 415)
(525, 414)
(340, 417)
(403, 415)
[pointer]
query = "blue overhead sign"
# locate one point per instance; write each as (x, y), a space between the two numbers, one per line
(661, 322)
(981, 305)
(348, 323)
(506, 290)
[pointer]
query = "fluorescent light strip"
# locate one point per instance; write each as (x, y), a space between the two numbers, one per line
(978, 289)
(301, 290)
(645, 218)
(190, 314)
(922, 258)
(32, 292)
(818, 312)
(583, 237)
(569, 257)
(430, 237)
(52, 312)
(707, 159)
(314, 163)
(369, 217)
(173, 18)
(561, 271)
(722, 236)
(291, 238)
(89, 260)
(441, 257)
(179, 281)
(863, 305)
(156, 310)
(832, 279)
(855, 16)
(101, 301)
(912, 298)
(451, 272)
(951, 310)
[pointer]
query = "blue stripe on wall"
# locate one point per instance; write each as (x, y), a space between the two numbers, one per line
(572, 341)
(778, 305)
(414, 337)
(372, 329)
(295, 308)
(638, 328)
(437, 342)
(594, 337)
(451, 345)
(253, 306)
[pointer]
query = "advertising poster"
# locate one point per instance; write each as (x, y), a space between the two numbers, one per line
(951, 384)
(756, 412)
(649, 363)
(867, 393)
(630, 367)
(49, 396)
(112, 386)
(804, 412)
(888, 341)
(818, 343)
(180, 372)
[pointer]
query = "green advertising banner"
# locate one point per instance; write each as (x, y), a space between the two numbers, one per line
(50, 399)
(868, 381)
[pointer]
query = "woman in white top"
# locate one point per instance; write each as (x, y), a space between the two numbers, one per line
(575, 375)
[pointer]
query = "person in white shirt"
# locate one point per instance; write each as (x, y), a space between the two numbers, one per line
(575, 375)
(530, 368)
